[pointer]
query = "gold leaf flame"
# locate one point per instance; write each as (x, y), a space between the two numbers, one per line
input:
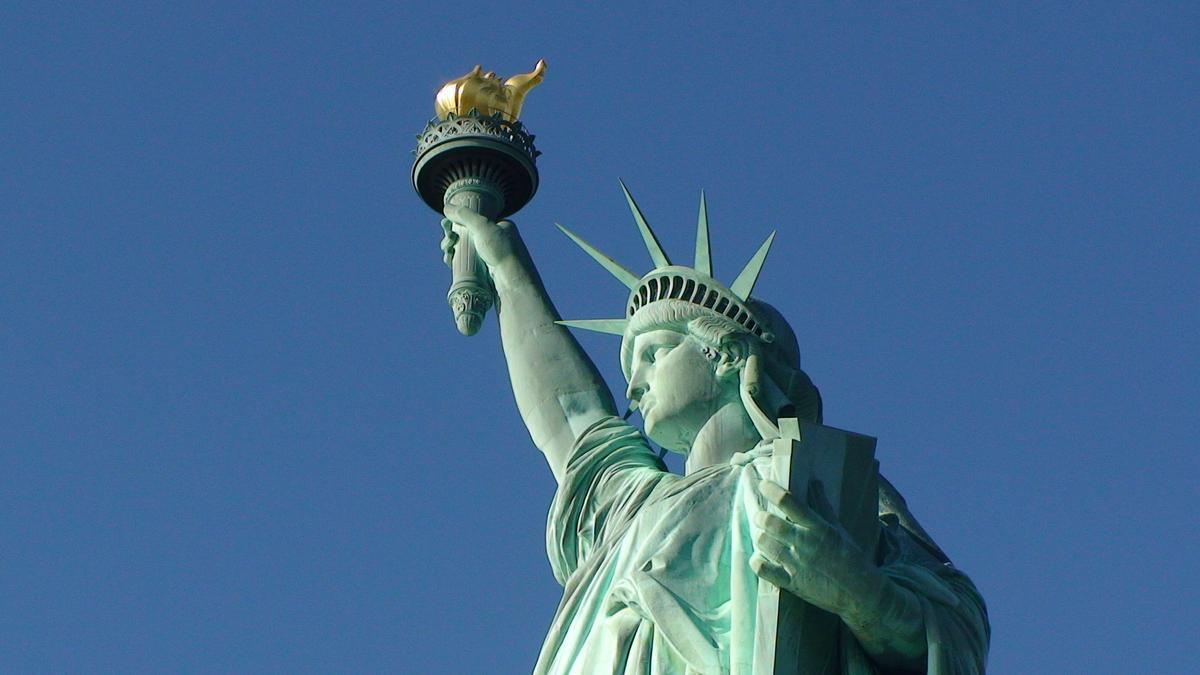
(486, 93)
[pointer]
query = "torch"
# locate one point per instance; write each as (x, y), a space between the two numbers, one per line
(477, 154)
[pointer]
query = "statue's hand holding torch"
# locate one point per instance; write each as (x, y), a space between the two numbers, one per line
(491, 240)
(476, 156)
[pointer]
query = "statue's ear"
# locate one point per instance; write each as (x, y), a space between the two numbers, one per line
(732, 357)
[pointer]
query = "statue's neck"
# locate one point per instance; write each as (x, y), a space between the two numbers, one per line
(728, 431)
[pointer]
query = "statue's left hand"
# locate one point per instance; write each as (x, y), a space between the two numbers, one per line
(808, 553)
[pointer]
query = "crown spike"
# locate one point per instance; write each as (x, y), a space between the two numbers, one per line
(703, 262)
(744, 284)
(610, 326)
(656, 250)
(614, 268)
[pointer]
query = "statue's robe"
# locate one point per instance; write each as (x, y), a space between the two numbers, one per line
(656, 573)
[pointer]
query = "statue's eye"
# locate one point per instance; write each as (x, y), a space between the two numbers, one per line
(657, 353)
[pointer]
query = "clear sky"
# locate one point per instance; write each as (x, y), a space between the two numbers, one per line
(239, 433)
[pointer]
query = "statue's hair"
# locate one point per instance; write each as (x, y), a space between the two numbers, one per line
(781, 356)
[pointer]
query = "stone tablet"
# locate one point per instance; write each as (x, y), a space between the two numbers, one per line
(797, 637)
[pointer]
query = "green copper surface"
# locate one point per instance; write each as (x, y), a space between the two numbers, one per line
(781, 548)
(615, 268)
(703, 259)
(657, 254)
(743, 285)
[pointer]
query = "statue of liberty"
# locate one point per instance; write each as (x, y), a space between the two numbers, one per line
(721, 569)
(660, 571)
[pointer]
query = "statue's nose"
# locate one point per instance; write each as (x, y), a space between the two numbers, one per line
(639, 382)
(637, 387)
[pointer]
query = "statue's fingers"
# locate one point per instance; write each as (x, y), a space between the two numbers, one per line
(783, 500)
(773, 548)
(770, 571)
(780, 528)
(448, 243)
(464, 216)
(810, 545)
(800, 542)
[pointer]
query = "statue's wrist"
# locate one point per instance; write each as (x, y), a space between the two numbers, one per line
(888, 622)
(872, 597)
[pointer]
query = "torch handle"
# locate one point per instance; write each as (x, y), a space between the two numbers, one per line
(470, 294)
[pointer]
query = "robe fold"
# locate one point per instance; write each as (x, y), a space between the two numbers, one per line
(656, 574)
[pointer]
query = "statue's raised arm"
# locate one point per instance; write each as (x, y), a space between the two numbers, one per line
(559, 392)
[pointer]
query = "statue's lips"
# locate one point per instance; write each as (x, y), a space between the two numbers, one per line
(644, 405)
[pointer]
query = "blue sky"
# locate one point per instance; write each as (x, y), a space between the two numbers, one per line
(239, 433)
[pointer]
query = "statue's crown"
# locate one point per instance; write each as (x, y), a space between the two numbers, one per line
(667, 281)
(486, 93)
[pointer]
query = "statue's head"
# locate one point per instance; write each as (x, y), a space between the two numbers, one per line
(684, 362)
(691, 346)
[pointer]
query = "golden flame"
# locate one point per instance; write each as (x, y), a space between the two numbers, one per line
(486, 93)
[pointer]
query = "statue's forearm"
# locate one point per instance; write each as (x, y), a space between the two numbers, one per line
(558, 390)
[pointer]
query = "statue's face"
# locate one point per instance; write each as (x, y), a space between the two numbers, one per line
(676, 387)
